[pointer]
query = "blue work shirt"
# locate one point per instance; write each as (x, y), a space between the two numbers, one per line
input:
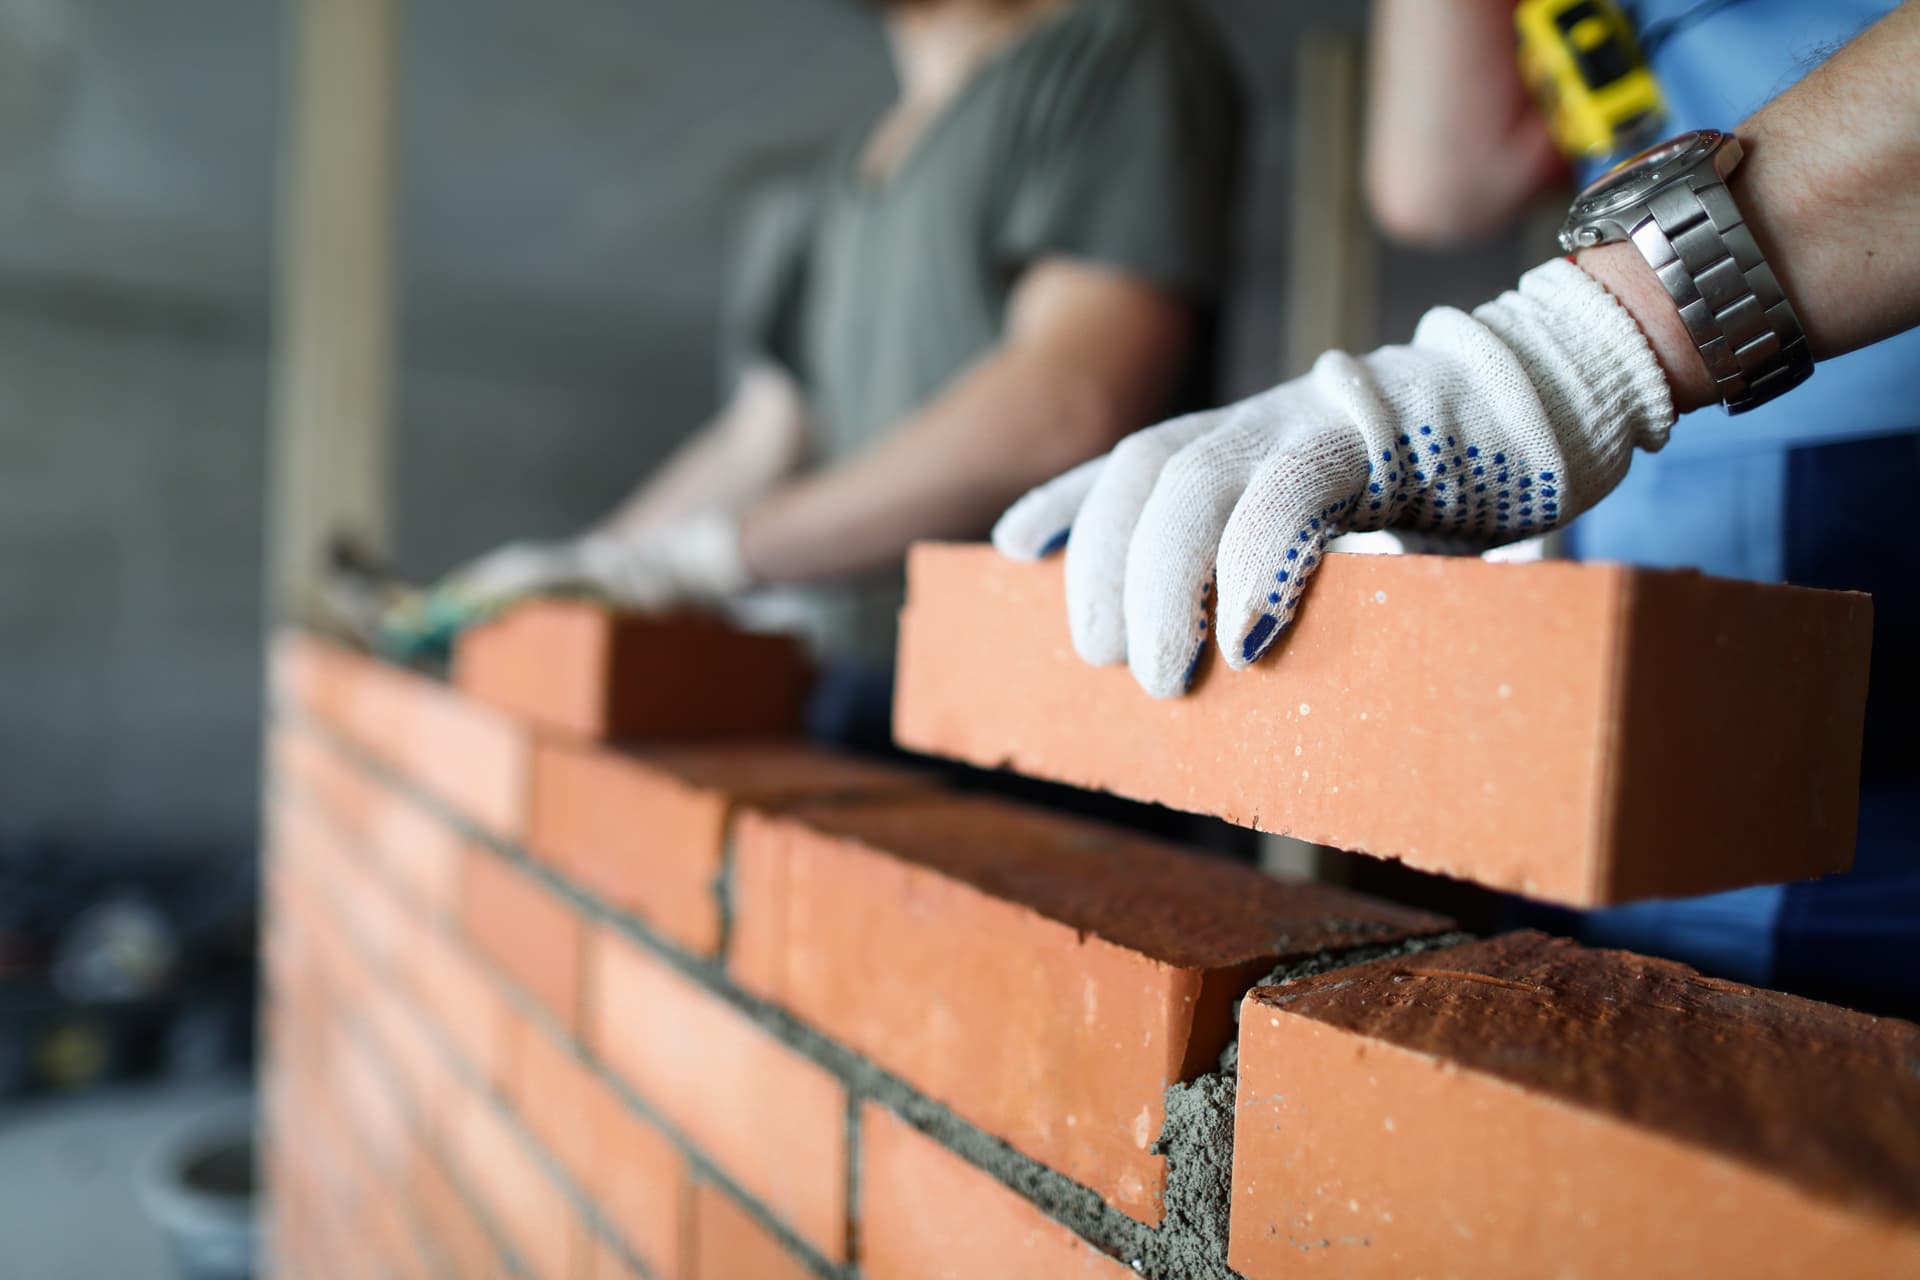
(1806, 489)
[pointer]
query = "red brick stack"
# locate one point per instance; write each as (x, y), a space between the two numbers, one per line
(728, 1008)
(566, 983)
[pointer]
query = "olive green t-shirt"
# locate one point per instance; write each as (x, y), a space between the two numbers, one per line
(1108, 133)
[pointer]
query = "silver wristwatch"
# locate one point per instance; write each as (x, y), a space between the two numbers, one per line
(1672, 201)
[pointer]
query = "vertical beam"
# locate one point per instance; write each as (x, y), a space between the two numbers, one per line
(1331, 250)
(334, 325)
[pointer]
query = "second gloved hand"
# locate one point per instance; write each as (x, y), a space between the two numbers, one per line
(1492, 426)
(694, 561)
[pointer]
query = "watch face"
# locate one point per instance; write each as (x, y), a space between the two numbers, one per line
(1631, 179)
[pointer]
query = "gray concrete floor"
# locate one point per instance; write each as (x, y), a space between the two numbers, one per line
(68, 1209)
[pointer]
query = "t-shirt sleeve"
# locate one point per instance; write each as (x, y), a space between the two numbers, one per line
(760, 318)
(1127, 141)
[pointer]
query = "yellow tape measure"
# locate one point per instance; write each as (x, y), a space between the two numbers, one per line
(1581, 62)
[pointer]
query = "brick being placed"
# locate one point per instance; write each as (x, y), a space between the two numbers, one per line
(587, 671)
(646, 830)
(1046, 978)
(1525, 1107)
(1583, 733)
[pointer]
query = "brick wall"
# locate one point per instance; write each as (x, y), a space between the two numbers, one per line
(540, 1006)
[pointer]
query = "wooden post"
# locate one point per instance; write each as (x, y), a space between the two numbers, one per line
(1331, 250)
(333, 347)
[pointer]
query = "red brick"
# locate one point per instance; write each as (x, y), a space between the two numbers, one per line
(580, 669)
(364, 904)
(609, 1265)
(730, 1244)
(291, 1212)
(556, 1096)
(399, 1030)
(499, 1166)
(384, 1236)
(926, 1214)
(469, 1013)
(1523, 1107)
(305, 1119)
(773, 1120)
(469, 756)
(646, 833)
(458, 1239)
(640, 1183)
(362, 1093)
(526, 931)
(1045, 977)
(1587, 733)
(343, 919)
(414, 848)
(321, 777)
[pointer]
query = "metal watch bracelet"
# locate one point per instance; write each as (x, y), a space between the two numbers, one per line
(1729, 298)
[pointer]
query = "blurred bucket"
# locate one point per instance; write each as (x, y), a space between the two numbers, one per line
(200, 1188)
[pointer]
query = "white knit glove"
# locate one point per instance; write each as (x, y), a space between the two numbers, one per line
(693, 561)
(1494, 426)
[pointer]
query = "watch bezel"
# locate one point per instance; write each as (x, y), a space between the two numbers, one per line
(1593, 217)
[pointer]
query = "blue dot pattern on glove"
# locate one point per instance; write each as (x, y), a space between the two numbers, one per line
(1297, 563)
(1200, 645)
(1433, 482)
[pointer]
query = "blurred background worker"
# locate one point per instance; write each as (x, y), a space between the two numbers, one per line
(1018, 264)
(1518, 418)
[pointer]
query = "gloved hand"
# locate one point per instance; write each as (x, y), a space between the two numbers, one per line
(1494, 426)
(694, 561)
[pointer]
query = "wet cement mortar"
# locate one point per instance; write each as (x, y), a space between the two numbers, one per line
(1197, 1139)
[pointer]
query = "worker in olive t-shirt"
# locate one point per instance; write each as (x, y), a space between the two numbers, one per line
(1012, 269)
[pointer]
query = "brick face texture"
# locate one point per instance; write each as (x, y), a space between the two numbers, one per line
(1047, 978)
(541, 1006)
(926, 1214)
(579, 670)
(1505, 1107)
(460, 752)
(666, 870)
(1583, 733)
(528, 933)
(728, 1243)
(773, 1121)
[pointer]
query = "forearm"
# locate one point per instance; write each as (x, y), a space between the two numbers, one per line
(1830, 187)
(1013, 420)
(1454, 145)
(758, 440)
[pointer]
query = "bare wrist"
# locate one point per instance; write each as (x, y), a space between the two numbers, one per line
(1621, 270)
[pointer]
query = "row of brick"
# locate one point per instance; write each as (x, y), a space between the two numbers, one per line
(1046, 979)
(1584, 733)
(360, 1036)
(933, 934)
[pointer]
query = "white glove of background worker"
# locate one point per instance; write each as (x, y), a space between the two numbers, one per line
(1495, 425)
(694, 561)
